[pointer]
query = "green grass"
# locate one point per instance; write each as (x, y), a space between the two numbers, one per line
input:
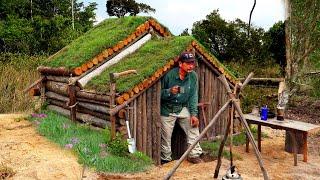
(146, 61)
(213, 146)
(106, 34)
(93, 147)
(17, 72)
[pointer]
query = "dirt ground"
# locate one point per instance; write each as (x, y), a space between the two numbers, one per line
(32, 156)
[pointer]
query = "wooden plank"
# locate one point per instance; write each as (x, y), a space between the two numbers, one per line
(158, 121)
(154, 124)
(149, 122)
(135, 119)
(287, 124)
(139, 128)
(144, 123)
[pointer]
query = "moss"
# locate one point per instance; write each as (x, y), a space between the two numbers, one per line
(146, 61)
(106, 34)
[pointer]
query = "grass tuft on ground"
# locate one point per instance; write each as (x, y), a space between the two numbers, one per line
(93, 146)
(212, 147)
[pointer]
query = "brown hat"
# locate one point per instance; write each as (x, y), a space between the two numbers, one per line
(187, 57)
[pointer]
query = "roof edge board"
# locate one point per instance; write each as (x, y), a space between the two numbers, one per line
(84, 80)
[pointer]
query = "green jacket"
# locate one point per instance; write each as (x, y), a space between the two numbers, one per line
(171, 103)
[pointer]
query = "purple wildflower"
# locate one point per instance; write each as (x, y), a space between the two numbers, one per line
(42, 115)
(68, 146)
(102, 145)
(35, 115)
(74, 140)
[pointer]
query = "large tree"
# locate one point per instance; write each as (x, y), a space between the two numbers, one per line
(275, 43)
(42, 26)
(302, 38)
(120, 8)
(229, 40)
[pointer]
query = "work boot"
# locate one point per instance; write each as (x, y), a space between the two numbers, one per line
(195, 160)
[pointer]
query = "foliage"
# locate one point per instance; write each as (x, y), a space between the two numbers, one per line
(259, 96)
(104, 35)
(275, 43)
(118, 146)
(91, 145)
(120, 8)
(17, 71)
(303, 29)
(229, 40)
(185, 32)
(145, 60)
(38, 27)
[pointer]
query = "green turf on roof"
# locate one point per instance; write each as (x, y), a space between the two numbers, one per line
(106, 34)
(146, 60)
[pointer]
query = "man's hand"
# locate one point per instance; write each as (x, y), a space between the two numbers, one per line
(174, 90)
(194, 121)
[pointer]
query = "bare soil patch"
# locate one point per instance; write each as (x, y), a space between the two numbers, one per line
(31, 156)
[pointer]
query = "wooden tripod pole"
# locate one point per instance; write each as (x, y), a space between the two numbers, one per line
(246, 126)
(171, 172)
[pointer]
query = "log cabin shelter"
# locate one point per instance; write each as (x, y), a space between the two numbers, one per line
(76, 80)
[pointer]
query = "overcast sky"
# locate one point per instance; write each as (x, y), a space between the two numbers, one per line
(180, 14)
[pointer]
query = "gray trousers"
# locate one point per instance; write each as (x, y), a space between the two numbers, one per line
(167, 129)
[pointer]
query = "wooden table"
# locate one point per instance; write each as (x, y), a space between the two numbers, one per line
(290, 126)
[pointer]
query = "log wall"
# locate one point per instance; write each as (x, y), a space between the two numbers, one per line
(211, 91)
(144, 111)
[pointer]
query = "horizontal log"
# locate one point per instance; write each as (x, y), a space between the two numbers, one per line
(62, 79)
(57, 87)
(129, 50)
(59, 71)
(81, 116)
(94, 107)
(264, 79)
(35, 91)
(79, 109)
(93, 96)
(36, 83)
(56, 96)
(93, 102)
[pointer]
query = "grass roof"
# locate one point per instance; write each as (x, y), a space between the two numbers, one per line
(106, 34)
(146, 60)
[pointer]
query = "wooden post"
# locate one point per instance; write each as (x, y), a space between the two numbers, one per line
(305, 147)
(72, 102)
(197, 140)
(112, 104)
(216, 171)
(245, 124)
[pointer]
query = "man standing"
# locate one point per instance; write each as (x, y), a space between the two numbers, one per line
(179, 100)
